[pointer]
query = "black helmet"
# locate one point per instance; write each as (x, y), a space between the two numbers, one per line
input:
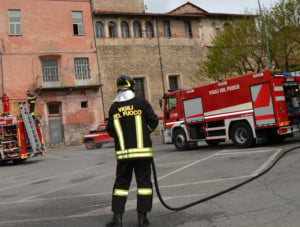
(125, 82)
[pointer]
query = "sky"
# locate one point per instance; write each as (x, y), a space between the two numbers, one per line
(212, 6)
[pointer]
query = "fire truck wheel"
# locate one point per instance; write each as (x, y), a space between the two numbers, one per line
(90, 144)
(180, 141)
(241, 135)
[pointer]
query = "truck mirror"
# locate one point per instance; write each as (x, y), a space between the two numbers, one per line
(160, 103)
(167, 115)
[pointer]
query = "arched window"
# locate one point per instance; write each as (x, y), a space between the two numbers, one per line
(149, 29)
(124, 29)
(137, 29)
(188, 29)
(167, 29)
(112, 29)
(99, 30)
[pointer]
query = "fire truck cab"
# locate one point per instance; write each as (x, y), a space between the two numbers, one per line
(243, 109)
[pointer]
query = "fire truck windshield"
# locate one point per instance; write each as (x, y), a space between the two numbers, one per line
(171, 103)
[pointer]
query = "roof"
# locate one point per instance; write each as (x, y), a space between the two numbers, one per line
(186, 10)
(122, 13)
(186, 6)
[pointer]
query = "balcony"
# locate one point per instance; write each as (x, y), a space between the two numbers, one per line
(66, 82)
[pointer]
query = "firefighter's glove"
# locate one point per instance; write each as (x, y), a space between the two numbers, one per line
(150, 129)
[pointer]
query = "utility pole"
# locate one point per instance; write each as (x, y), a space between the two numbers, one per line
(265, 33)
(159, 55)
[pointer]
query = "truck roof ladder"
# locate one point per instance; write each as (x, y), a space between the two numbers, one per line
(30, 129)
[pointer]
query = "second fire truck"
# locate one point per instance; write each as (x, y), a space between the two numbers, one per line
(243, 109)
(21, 136)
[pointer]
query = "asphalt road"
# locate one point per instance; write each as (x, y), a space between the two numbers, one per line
(72, 187)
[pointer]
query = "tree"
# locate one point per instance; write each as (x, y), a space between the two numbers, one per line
(283, 24)
(251, 44)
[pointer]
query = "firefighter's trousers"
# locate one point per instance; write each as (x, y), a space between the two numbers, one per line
(31, 107)
(142, 171)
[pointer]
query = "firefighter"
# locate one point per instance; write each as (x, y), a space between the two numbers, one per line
(131, 120)
(31, 98)
(5, 103)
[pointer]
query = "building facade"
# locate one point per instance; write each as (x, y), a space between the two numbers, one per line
(48, 46)
(70, 52)
(160, 51)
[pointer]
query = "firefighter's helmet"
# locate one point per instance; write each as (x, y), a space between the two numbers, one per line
(125, 82)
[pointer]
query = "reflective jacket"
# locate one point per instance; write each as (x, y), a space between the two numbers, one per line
(31, 98)
(130, 124)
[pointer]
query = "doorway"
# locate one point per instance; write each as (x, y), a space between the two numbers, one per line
(56, 135)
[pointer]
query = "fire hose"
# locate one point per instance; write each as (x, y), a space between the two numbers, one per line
(202, 200)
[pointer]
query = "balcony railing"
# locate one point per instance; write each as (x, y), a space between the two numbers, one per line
(67, 82)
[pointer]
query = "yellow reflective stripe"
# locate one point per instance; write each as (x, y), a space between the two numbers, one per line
(144, 191)
(126, 156)
(120, 192)
(119, 132)
(139, 131)
(135, 153)
(134, 150)
(22, 156)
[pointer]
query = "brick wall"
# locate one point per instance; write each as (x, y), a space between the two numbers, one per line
(119, 5)
(139, 57)
(47, 33)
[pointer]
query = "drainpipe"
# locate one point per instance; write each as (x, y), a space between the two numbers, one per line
(98, 64)
(2, 79)
(1, 65)
(159, 55)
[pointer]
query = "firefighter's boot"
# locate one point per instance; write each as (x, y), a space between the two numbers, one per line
(142, 220)
(116, 221)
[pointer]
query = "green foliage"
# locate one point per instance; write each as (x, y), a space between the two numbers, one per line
(256, 43)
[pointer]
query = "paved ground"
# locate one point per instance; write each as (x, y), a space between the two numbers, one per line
(72, 187)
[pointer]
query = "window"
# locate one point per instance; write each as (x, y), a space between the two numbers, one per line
(125, 29)
(137, 29)
(99, 30)
(77, 23)
(139, 87)
(171, 103)
(14, 22)
(112, 29)
(50, 70)
(84, 104)
(102, 129)
(81, 68)
(53, 109)
(173, 82)
(167, 30)
(188, 29)
(216, 28)
(149, 29)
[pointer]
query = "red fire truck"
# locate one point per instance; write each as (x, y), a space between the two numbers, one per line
(20, 136)
(243, 109)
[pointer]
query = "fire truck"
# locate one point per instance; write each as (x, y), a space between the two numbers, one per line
(245, 109)
(21, 136)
